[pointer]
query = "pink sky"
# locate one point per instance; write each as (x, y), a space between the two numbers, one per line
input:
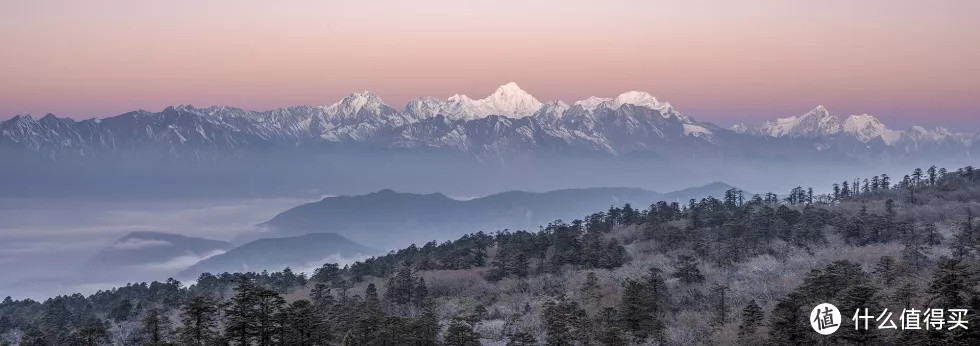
(724, 61)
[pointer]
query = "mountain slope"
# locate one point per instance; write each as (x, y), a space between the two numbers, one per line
(274, 254)
(388, 219)
(155, 248)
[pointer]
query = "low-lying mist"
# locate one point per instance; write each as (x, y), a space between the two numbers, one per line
(45, 242)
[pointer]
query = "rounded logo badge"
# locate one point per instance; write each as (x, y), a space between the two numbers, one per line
(825, 319)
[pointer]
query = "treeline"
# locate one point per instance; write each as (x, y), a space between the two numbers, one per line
(583, 244)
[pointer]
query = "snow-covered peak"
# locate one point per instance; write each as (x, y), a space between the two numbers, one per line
(592, 102)
(507, 100)
(355, 102)
(816, 122)
(552, 111)
(639, 98)
(510, 100)
(939, 134)
(510, 88)
(635, 98)
(865, 128)
(424, 107)
(739, 128)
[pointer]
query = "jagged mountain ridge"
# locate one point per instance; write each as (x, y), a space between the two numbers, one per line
(819, 123)
(509, 122)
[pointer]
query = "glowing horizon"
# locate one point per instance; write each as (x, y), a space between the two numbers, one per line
(900, 61)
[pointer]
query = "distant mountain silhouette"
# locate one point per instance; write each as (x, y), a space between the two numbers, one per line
(390, 219)
(155, 248)
(273, 254)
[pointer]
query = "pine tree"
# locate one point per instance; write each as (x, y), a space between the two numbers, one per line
(155, 328)
(199, 319)
(268, 307)
(917, 177)
(644, 306)
(950, 287)
(371, 298)
(905, 294)
(304, 325)
(591, 289)
(859, 296)
(240, 316)
(719, 304)
(421, 293)
(91, 332)
(321, 297)
(461, 333)
(564, 322)
(686, 270)
(34, 337)
(522, 339)
(426, 327)
(751, 320)
(399, 288)
(964, 241)
(887, 270)
(788, 325)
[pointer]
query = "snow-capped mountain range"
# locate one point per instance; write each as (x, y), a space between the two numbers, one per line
(506, 123)
(819, 123)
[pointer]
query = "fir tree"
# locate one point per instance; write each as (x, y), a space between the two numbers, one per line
(564, 322)
(591, 289)
(887, 270)
(950, 286)
(855, 299)
(788, 326)
(522, 339)
(399, 287)
(304, 325)
(751, 319)
(155, 328)
(461, 333)
(199, 319)
(644, 306)
(686, 270)
(719, 304)
(240, 316)
(92, 332)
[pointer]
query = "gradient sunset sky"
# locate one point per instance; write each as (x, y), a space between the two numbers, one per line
(721, 61)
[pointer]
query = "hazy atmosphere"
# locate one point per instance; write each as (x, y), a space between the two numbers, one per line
(488, 172)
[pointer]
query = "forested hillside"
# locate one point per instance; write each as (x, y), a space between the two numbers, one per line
(735, 270)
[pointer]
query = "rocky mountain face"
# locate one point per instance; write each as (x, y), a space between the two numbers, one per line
(509, 122)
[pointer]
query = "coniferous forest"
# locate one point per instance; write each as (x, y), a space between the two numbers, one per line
(737, 269)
